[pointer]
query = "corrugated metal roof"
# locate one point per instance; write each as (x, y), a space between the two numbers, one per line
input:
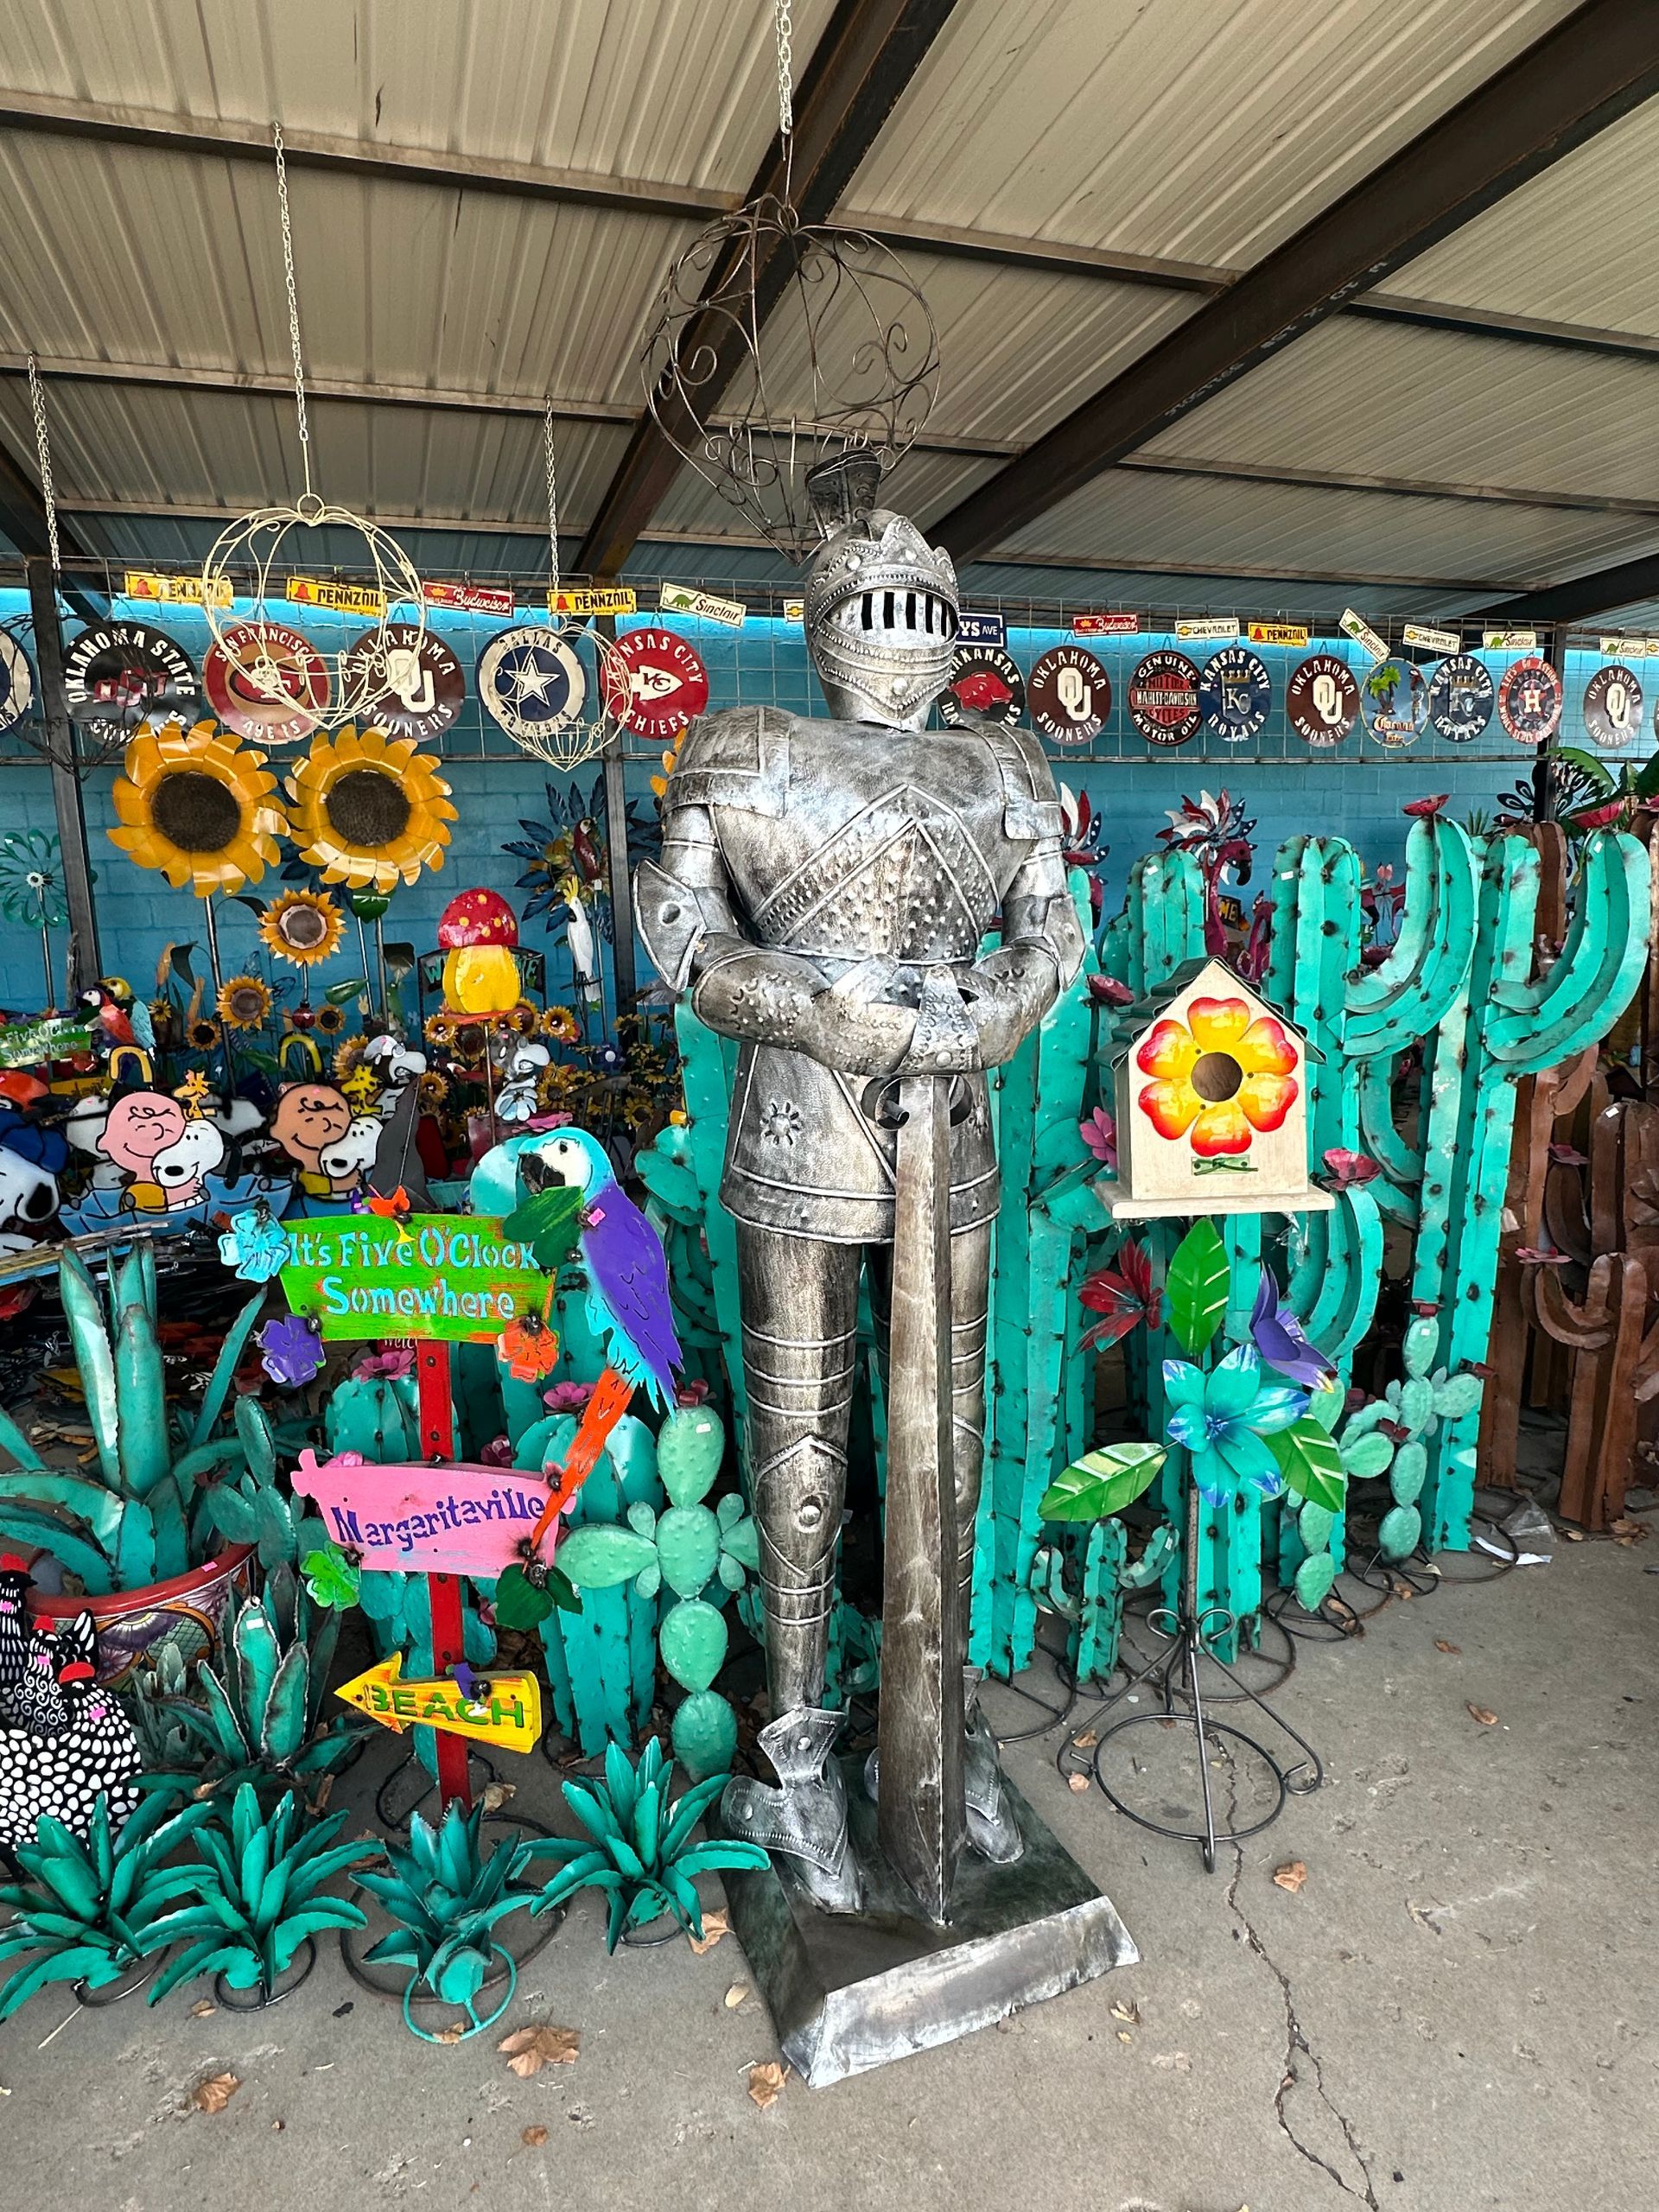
(922, 485)
(1273, 529)
(1386, 399)
(1579, 244)
(123, 253)
(1289, 598)
(677, 90)
(235, 450)
(1210, 131)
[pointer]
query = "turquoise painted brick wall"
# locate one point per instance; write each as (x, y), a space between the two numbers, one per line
(1357, 791)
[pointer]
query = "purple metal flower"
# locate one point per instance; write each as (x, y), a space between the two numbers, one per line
(291, 1350)
(1279, 1340)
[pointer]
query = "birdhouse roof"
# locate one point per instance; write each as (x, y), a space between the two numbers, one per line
(1134, 1020)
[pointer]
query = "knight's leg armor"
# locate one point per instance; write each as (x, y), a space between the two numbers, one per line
(800, 1348)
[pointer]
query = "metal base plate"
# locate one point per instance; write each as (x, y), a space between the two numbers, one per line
(850, 1992)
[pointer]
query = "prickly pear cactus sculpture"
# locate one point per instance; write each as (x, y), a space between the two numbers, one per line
(1392, 1434)
(690, 1549)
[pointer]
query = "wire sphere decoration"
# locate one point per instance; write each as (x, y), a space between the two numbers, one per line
(360, 677)
(582, 727)
(780, 344)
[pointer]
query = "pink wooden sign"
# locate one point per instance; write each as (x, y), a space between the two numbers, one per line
(437, 1520)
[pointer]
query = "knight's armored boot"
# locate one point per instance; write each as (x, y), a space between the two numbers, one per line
(804, 1819)
(993, 1831)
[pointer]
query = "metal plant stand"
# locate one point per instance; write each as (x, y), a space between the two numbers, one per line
(1191, 1636)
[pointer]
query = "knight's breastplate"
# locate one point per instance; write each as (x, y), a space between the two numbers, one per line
(844, 843)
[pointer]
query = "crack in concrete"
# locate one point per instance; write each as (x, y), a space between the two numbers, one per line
(1295, 2034)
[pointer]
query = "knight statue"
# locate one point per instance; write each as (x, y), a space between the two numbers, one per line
(823, 892)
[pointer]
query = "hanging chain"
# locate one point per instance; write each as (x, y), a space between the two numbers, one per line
(784, 26)
(552, 504)
(44, 453)
(293, 303)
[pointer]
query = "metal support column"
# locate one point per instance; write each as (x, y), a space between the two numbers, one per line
(63, 750)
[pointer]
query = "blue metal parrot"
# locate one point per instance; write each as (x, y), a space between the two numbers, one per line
(628, 1304)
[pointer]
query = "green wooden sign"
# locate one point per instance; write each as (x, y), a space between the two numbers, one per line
(47, 1037)
(450, 1276)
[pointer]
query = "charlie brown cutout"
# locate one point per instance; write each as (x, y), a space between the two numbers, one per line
(313, 1119)
(168, 1148)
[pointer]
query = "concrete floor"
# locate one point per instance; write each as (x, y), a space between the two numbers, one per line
(1457, 2011)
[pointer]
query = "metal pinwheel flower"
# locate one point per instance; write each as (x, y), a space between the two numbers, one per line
(1223, 1418)
(31, 879)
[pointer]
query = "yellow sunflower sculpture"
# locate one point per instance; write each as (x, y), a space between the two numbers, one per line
(303, 927)
(244, 1002)
(370, 810)
(199, 807)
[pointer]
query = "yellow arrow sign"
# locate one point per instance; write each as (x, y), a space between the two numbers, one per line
(507, 1710)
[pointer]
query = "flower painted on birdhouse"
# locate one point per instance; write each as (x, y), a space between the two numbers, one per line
(479, 931)
(1222, 1074)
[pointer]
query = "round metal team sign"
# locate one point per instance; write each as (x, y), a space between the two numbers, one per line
(655, 683)
(1461, 695)
(1235, 694)
(531, 682)
(117, 675)
(1531, 695)
(1392, 699)
(1322, 699)
(1070, 696)
(413, 684)
(1612, 706)
(984, 682)
(17, 681)
(266, 681)
(1164, 698)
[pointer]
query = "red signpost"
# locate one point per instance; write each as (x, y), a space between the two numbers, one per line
(437, 1414)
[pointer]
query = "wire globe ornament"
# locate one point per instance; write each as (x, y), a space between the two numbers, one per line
(247, 635)
(780, 344)
(580, 726)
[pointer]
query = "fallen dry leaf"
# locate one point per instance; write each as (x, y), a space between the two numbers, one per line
(1123, 2036)
(325, 1791)
(1441, 1645)
(452, 2034)
(1087, 1741)
(1628, 1532)
(497, 1794)
(1486, 1719)
(1573, 1535)
(1173, 2061)
(528, 2050)
(203, 2009)
(1128, 2013)
(533, 2138)
(215, 2093)
(735, 1995)
(1291, 1876)
(714, 1925)
(1079, 1782)
(766, 2082)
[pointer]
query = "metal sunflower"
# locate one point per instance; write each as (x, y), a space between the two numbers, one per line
(303, 927)
(198, 807)
(370, 810)
(244, 1002)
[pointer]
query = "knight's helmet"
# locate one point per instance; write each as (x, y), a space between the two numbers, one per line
(881, 601)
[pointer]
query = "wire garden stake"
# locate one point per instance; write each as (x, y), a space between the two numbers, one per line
(358, 678)
(1174, 1675)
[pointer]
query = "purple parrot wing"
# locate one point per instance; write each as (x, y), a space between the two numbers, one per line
(628, 1272)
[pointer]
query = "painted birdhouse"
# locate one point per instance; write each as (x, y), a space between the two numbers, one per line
(1211, 1101)
(479, 931)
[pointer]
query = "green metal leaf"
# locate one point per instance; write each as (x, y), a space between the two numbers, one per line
(15, 1446)
(1102, 1482)
(1195, 1291)
(45, 1532)
(96, 1362)
(1310, 1462)
(518, 1603)
(225, 1367)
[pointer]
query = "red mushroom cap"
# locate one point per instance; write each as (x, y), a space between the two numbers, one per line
(477, 917)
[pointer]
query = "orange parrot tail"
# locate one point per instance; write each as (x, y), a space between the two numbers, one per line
(613, 1395)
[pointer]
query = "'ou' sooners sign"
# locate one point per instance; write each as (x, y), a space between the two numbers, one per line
(426, 1520)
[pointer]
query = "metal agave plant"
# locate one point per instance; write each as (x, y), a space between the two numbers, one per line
(260, 1722)
(446, 1898)
(130, 1526)
(91, 1910)
(642, 1855)
(257, 1903)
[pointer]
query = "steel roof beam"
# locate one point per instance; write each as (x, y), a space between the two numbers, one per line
(23, 519)
(225, 138)
(867, 54)
(1591, 69)
(1623, 585)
